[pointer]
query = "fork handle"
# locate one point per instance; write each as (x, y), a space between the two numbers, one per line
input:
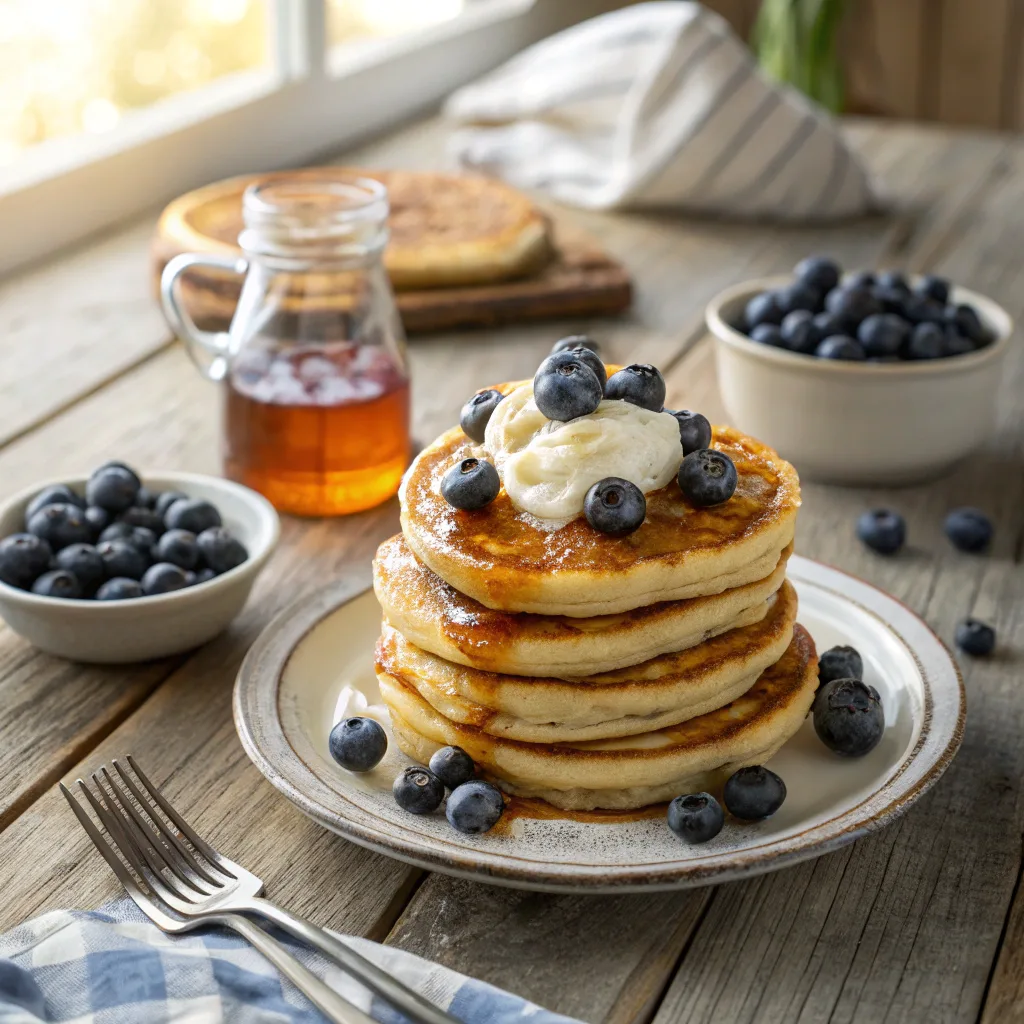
(389, 988)
(335, 1007)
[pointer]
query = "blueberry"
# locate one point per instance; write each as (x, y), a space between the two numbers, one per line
(145, 498)
(850, 305)
(707, 477)
(893, 279)
(593, 360)
(966, 320)
(471, 484)
(615, 506)
(166, 499)
(112, 488)
(640, 384)
(179, 548)
(882, 334)
(957, 344)
(762, 309)
(220, 550)
(23, 557)
(121, 558)
(192, 514)
(860, 279)
(84, 561)
(358, 744)
(892, 300)
(145, 517)
(124, 467)
(969, 529)
(163, 578)
(694, 430)
(848, 717)
(476, 413)
(767, 334)
(882, 530)
(60, 525)
(475, 807)
(418, 790)
(120, 588)
(975, 638)
(840, 663)
(797, 296)
(203, 576)
(576, 341)
(59, 494)
(57, 583)
(919, 309)
(818, 272)
(696, 818)
(453, 766)
(138, 536)
(841, 346)
(97, 518)
(566, 387)
(934, 288)
(927, 341)
(799, 332)
(754, 793)
(117, 531)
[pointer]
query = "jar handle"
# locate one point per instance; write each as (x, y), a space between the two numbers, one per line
(215, 344)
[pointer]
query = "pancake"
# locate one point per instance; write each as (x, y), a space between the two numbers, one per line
(659, 693)
(437, 618)
(632, 771)
(502, 558)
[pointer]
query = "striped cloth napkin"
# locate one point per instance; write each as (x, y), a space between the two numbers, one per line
(113, 966)
(658, 105)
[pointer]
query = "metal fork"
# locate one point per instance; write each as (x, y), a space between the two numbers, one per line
(203, 886)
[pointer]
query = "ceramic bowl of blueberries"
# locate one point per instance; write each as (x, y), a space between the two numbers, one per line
(863, 378)
(120, 567)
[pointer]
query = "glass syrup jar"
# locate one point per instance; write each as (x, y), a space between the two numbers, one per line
(315, 387)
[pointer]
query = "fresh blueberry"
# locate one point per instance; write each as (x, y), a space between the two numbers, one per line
(894, 279)
(696, 818)
(593, 360)
(882, 334)
(797, 296)
(113, 464)
(146, 517)
(934, 288)
(358, 744)
(975, 638)
(61, 525)
(121, 558)
(97, 518)
(470, 484)
(851, 305)
(84, 561)
(418, 790)
(145, 498)
(754, 793)
(23, 557)
(112, 488)
(969, 529)
(163, 578)
(848, 717)
(615, 506)
(892, 300)
(860, 279)
(882, 530)
(799, 333)
(476, 413)
(575, 341)
(966, 320)
(166, 499)
(116, 531)
(179, 548)
(453, 766)
(192, 514)
(474, 807)
(840, 663)
(640, 384)
(57, 583)
(841, 346)
(762, 309)
(767, 334)
(694, 430)
(59, 494)
(957, 344)
(566, 387)
(818, 272)
(919, 309)
(220, 550)
(707, 477)
(927, 341)
(120, 588)
(203, 576)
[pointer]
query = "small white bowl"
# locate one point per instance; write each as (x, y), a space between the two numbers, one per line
(116, 632)
(858, 423)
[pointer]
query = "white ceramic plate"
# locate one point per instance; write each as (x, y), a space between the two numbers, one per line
(314, 664)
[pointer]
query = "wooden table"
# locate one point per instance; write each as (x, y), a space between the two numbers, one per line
(922, 922)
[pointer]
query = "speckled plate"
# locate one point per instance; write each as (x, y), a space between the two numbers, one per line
(314, 664)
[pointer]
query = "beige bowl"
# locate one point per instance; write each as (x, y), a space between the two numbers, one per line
(858, 423)
(115, 632)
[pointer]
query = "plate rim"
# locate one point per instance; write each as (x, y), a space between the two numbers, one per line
(257, 721)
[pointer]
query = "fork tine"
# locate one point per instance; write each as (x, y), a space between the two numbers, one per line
(188, 861)
(222, 863)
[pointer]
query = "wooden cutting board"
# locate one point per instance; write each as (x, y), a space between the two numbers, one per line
(576, 278)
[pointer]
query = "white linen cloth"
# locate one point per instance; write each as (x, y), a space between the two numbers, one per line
(658, 105)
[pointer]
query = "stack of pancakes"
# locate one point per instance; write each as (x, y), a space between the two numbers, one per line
(589, 670)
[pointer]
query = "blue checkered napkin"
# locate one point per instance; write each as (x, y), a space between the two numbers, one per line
(114, 967)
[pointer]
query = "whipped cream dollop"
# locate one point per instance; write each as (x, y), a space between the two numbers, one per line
(547, 466)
